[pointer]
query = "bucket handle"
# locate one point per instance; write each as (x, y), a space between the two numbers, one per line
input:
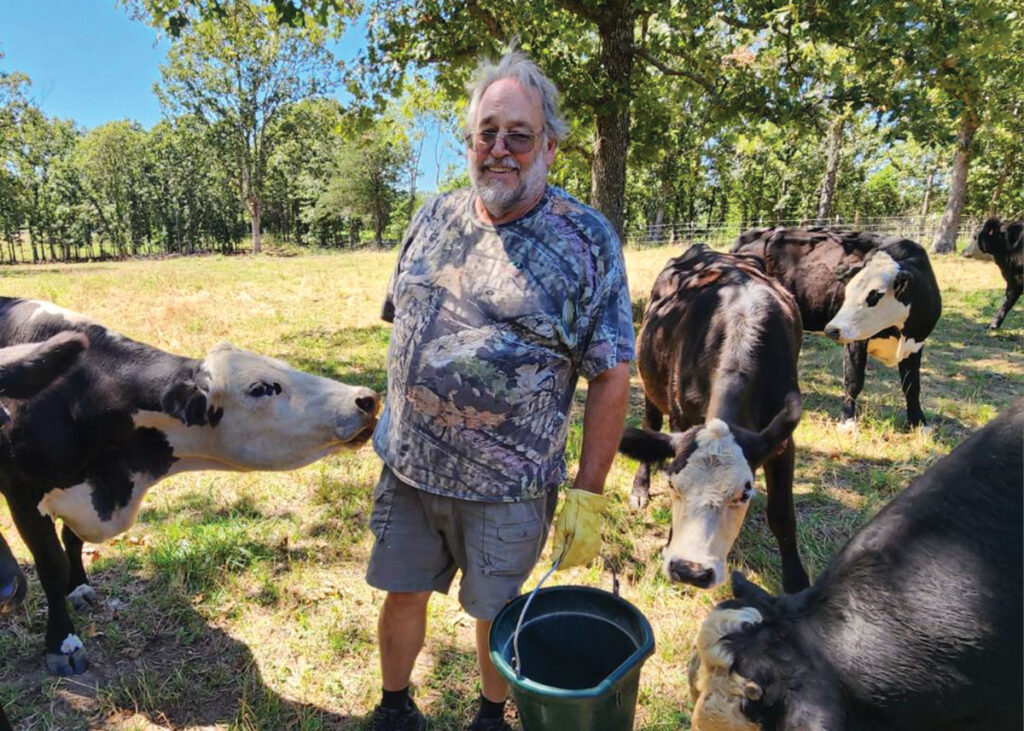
(516, 665)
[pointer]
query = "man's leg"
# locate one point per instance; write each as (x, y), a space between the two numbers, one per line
(401, 628)
(493, 686)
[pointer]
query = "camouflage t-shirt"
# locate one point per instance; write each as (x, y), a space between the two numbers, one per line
(492, 326)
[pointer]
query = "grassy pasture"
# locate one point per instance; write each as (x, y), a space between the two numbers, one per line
(238, 601)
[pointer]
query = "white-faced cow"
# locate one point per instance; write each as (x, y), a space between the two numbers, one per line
(1004, 242)
(719, 344)
(86, 449)
(877, 295)
(915, 624)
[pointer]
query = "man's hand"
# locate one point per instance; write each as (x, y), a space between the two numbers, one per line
(578, 528)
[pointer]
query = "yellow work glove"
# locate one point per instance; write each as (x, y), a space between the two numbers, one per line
(579, 527)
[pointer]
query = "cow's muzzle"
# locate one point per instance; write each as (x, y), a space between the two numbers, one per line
(832, 332)
(689, 572)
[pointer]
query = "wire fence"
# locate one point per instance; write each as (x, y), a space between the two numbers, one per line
(721, 235)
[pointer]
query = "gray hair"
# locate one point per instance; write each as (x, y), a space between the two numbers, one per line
(517, 65)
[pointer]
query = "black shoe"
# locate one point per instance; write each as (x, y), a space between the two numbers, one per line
(488, 724)
(393, 719)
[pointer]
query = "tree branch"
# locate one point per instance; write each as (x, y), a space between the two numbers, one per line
(578, 8)
(702, 81)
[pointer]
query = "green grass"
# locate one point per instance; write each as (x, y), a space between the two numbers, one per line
(238, 601)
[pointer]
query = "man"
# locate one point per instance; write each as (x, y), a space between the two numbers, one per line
(501, 297)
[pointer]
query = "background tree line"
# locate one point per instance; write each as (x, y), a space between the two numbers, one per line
(744, 112)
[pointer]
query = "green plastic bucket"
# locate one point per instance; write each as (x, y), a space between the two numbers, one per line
(581, 650)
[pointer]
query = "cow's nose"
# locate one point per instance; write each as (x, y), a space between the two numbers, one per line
(831, 331)
(367, 401)
(689, 572)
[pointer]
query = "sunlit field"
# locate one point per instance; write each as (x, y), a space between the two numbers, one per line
(238, 601)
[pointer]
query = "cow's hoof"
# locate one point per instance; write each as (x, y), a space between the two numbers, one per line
(638, 499)
(847, 426)
(83, 598)
(993, 326)
(57, 663)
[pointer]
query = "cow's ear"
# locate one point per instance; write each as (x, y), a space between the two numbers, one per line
(25, 370)
(845, 272)
(646, 446)
(750, 593)
(902, 284)
(187, 402)
(758, 447)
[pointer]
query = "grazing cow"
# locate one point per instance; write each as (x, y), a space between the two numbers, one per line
(916, 624)
(25, 370)
(86, 449)
(1004, 242)
(876, 295)
(719, 344)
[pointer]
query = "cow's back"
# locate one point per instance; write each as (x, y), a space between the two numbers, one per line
(921, 609)
(683, 338)
(805, 261)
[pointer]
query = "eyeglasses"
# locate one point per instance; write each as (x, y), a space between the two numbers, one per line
(518, 143)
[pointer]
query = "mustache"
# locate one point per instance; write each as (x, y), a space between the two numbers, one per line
(502, 163)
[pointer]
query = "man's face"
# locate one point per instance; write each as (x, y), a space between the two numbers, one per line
(509, 184)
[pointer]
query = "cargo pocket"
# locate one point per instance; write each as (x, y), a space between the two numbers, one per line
(511, 549)
(383, 501)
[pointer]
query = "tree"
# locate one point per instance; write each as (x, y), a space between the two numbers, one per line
(364, 181)
(238, 72)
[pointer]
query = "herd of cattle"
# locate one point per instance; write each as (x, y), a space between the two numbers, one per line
(915, 624)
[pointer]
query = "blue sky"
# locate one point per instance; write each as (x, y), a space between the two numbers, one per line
(89, 61)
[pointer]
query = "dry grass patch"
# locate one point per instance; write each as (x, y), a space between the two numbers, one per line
(238, 601)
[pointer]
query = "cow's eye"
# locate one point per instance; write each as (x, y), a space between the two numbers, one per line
(261, 389)
(874, 296)
(744, 497)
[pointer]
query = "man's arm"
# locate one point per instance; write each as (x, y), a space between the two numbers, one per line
(603, 419)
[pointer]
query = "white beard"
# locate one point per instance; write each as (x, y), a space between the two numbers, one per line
(498, 198)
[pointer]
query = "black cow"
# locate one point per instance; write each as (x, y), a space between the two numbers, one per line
(719, 342)
(875, 294)
(25, 370)
(1004, 242)
(916, 624)
(86, 449)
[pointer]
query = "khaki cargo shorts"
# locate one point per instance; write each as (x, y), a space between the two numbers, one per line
(422, 538)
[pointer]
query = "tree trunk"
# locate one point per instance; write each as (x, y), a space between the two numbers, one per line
(254, 210)
(828, 185)
(608, 171)
(945, 237)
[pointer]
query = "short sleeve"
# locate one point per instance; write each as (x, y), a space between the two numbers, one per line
(387, 313)
(613, 340)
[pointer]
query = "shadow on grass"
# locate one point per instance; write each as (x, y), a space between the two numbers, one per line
(961, 362)
(156, 651)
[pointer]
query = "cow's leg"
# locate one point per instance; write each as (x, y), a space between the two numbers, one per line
(778, 477)
(82, 596)
(910, 382)
(12, 580)
(855, 359)
(642, 481)
(65, 654)
(1012, 294)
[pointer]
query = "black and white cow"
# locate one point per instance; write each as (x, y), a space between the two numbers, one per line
(86, 449)
(719, 345)
(1004, 242)
(25, 370)
(877, 295)
(915, 624)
